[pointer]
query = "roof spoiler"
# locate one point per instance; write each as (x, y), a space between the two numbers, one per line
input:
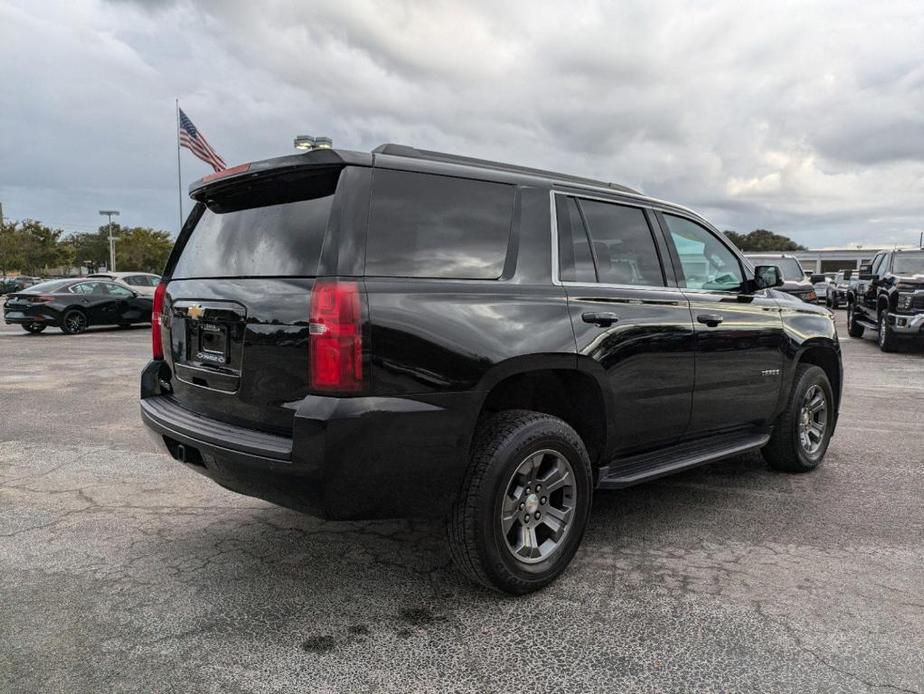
(322, 158)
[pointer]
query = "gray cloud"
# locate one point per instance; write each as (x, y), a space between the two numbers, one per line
(804, 118)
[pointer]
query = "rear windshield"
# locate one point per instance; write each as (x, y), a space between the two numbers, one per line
(788, 266)
(44, 287)
(271, 227)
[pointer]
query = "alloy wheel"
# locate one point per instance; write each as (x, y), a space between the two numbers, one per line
(813, 419)
(538, 506)
(75, 322)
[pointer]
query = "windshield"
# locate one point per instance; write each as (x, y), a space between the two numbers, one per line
(908, 264)
(45, 287)
(270, 227)
(788, 266)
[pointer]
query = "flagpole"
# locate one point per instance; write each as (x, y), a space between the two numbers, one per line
(179, 175)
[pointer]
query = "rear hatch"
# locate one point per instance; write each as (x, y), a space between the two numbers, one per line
(235, 332)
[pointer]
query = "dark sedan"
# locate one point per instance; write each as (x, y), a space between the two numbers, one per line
(75, 304)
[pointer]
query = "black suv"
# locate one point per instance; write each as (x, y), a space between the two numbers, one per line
(407, 333)
(888, 297)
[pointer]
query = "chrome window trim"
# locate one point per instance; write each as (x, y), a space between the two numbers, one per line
(646, 200)
(557, 281)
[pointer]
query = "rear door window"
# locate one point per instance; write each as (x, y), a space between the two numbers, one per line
(438, 226)
(270, 227)
(576, 264)
(615, 246)
(623, 247)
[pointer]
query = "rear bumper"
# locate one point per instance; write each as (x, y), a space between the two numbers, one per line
(347, 458)
(18, 317)
(905, 324)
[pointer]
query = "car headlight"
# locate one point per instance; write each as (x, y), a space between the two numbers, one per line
(904, 301)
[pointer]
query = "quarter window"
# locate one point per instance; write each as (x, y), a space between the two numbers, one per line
(706, 262)
(438, 226)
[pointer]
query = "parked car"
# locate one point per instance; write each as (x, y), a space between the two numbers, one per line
(409, 333)
(795, 280)
(838, 288)
(888, 297)
(75, 304)
(8, 285)
(820, 283)
(141, 282)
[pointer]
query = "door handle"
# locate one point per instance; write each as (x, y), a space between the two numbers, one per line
(710, 319)
(604, 320)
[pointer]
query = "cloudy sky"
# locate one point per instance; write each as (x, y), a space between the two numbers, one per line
(803, 117)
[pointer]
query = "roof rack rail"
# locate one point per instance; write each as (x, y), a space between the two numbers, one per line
(415, 153)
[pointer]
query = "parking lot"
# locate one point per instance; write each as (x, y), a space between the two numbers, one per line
(120, 570)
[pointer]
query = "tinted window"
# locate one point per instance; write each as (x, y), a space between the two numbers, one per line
(87, 288)
(50, 286)
(135, 280)
(706, 262)
(575, 262)
(273, 227)
(877, 264)
(121, 292)
(438, 226)
(623, 247)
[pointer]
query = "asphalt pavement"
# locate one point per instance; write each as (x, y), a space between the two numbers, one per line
(121, 571)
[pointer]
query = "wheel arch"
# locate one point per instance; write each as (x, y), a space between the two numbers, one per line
(556, 387)
(826, 355)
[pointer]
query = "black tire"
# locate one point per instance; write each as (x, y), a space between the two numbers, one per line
(854, 329)
(886, 337)
(74, 322)
(34, 328)
(503, 444)
(786, 450)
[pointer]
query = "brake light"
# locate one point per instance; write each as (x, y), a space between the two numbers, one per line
(42, 299)
(335, 337)
(157, 349)
(240, 168)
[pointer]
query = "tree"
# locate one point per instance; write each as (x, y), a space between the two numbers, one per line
(143, 249)
(11, 247)
(763, 240)
(92, 248)
(42, 247)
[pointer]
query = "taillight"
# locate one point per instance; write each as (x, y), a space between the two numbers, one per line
(335, 337)
(42, 299)
(157, 349)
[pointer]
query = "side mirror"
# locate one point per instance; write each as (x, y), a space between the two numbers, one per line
(818, 278)
(768, 276)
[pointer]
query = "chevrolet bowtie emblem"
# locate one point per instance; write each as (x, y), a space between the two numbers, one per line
(195, 312)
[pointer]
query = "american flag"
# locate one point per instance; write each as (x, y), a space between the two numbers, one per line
(195, 142)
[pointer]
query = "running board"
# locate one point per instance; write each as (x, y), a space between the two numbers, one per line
(872, 325)
(648, 466)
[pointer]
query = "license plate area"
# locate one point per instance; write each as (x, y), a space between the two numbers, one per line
(207, 343)
(212, 343)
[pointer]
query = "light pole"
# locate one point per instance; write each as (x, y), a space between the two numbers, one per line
(110, 214)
